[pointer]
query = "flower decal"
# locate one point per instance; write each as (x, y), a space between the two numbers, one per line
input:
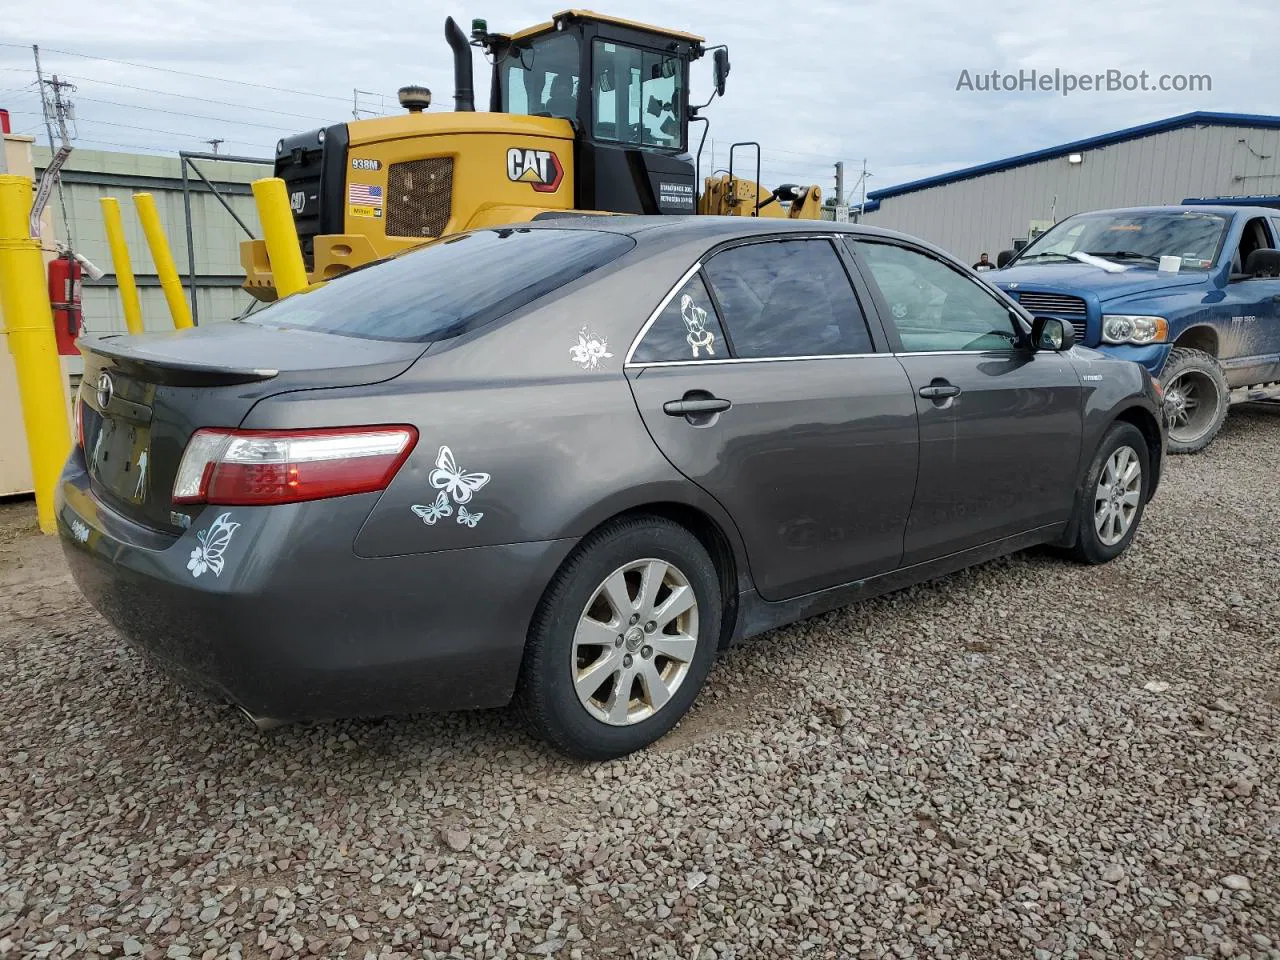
(80, 530)
(590, 350)
(212, 545)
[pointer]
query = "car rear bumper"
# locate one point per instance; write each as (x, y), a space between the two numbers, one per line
(296, 626)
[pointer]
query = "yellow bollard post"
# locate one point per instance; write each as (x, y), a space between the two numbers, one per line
(160, 253)
(28, 320)
(283, 252)
(124, 269)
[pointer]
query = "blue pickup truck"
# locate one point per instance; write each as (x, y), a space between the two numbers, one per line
(1190, 292)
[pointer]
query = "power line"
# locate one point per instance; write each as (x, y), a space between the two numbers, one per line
(275, 127)
(185, 73)
(188, 96)
(172, 133)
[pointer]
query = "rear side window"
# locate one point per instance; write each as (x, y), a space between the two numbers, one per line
(448, 287)
(788, 298)
(686, 329)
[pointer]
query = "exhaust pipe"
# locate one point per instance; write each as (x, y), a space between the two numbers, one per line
(464, 94)
(263, 724)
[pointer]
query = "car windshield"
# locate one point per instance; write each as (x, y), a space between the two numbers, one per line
(1140, 239)
(449, 286)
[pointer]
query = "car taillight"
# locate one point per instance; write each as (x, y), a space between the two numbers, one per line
(263, 467)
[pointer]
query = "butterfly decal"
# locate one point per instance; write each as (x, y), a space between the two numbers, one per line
(590, 350)
(80, 530)
(432, 512)
(467, 517)
(211, 546)
(448, 476)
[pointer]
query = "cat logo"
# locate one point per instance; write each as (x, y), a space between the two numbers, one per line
(298, 201)
(541, 169)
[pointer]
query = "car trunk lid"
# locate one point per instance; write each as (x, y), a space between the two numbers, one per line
(142, 397)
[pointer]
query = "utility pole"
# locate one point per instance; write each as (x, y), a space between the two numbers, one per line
(214, 143)
(55, 107)
(839, 182)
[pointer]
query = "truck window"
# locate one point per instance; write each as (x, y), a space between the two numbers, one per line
(638, 96)
(540, 78)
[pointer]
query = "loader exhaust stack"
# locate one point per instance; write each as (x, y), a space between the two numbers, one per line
(463, 86)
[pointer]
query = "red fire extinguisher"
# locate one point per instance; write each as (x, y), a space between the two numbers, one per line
(65, 274)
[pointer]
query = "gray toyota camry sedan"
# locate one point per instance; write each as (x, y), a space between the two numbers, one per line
(565, 463)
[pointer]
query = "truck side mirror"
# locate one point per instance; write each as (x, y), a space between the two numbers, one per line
(1003, 258)
(721, 74)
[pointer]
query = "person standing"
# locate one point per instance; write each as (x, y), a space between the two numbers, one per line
(984, 264)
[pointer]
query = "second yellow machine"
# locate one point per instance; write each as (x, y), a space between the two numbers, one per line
(587, 113)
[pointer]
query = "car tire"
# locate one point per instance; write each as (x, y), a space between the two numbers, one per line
(1106, 516)
(1192, 377)
(563, 661)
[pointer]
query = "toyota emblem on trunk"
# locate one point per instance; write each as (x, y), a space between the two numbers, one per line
(106, 390)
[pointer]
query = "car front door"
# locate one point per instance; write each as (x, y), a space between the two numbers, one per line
(1000, 425)
(761, 381)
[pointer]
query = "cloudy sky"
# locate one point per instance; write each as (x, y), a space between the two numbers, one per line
(814, 81)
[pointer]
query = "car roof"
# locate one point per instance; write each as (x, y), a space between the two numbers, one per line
(708, 229)
(1225, 210)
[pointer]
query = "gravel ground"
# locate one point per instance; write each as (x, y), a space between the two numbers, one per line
(1029, 759)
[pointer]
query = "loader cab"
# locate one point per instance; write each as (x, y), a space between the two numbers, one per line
(625, 88)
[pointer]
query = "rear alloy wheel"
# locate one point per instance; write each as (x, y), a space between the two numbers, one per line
(1113, 495)
(623, 639)
(1196, 398)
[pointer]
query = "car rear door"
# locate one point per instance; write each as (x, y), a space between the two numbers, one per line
(760, 380)
(1000, 425)
(1249, 348)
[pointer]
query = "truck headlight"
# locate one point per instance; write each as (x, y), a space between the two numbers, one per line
(1122, 328)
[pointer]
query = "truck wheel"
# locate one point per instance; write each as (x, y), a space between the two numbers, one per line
(1196, 398)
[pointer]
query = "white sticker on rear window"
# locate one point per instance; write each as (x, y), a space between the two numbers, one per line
(695, 319)
(210, 551)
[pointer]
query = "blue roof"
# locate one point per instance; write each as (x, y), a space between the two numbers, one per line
(1199, 118)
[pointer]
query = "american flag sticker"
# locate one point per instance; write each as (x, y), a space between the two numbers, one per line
(364, 194)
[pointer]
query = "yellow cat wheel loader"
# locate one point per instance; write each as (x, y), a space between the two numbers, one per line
(587, 114)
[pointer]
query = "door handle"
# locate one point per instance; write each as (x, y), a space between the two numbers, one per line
(688, 408)
(939, 391)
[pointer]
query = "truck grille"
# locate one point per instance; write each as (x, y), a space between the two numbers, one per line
(419, 197)
(1058, 305)
(1055, 303)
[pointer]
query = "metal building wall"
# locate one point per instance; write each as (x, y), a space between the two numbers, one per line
(986, 212)
(92, 174)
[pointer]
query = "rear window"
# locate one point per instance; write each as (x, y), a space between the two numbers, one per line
(448, 287)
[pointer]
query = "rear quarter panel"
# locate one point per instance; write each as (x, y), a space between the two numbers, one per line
(534, 431)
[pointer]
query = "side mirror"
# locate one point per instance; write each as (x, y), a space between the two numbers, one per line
(721, 69)
(1050, 333)
(1263, 263)
(1003, 258)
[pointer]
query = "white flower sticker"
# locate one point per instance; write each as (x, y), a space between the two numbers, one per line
(695, 319)
(590, 350)
(456, 486)
(213, 543)
(80, 530)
